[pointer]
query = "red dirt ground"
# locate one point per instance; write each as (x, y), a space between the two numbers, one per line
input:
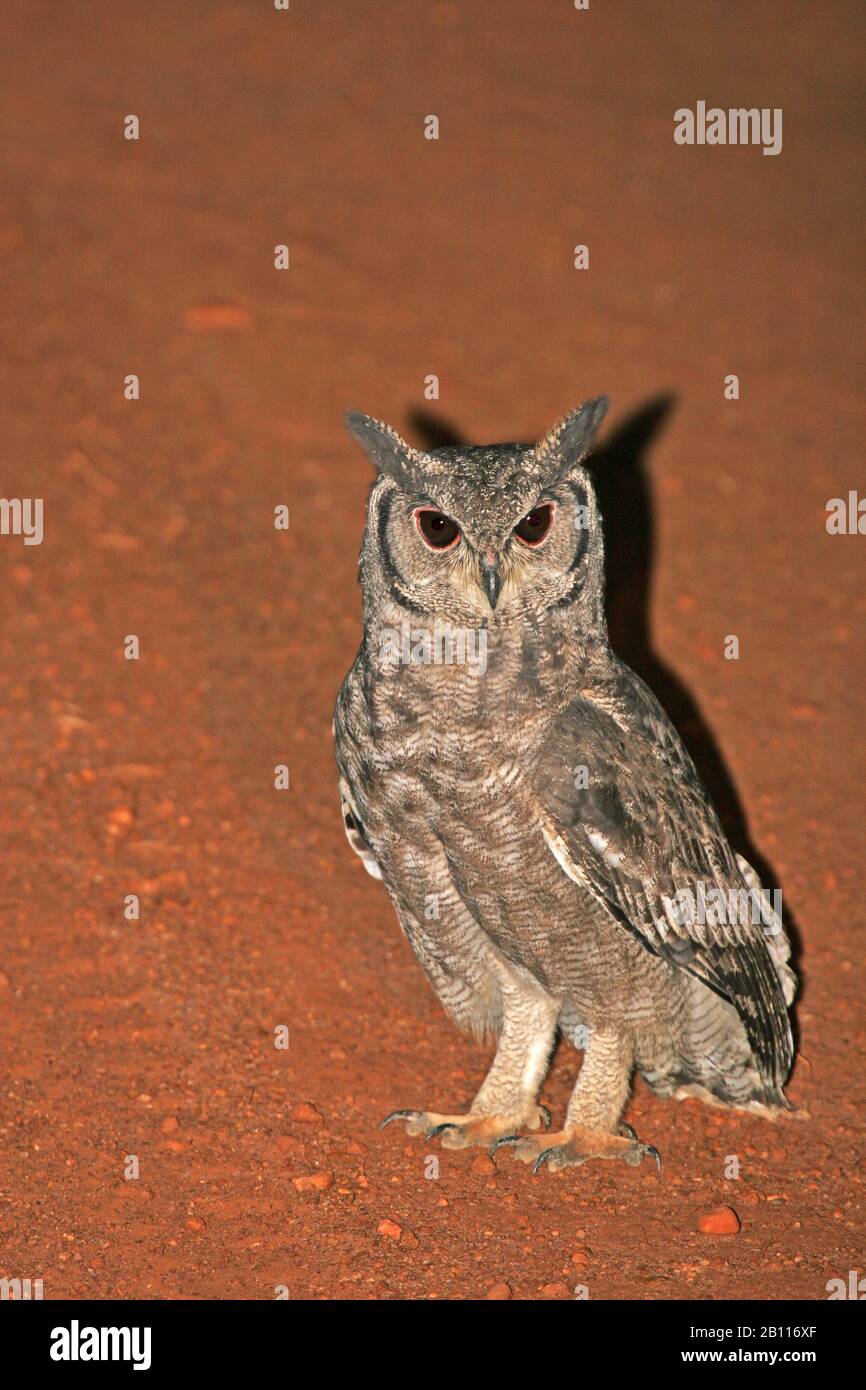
(156, 1038)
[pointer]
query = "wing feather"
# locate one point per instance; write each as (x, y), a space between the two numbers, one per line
(625, 815)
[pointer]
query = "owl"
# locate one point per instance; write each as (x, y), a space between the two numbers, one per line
(543, 835)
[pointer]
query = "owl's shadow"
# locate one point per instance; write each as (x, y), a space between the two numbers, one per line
(622, 486)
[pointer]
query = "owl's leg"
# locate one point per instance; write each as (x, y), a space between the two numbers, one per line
(593, 1128)
(507, 1099)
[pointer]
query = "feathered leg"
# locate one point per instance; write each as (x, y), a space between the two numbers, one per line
(592, 1123)
(507, 1099)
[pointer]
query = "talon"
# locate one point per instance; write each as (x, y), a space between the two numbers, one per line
(541, 1160)
(399, 1115)
(651, 1151)
(545, 1116)
(627, 1131)
(440, 1129)
(500, 1143)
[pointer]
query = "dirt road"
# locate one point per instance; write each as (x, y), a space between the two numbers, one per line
(152, 1042)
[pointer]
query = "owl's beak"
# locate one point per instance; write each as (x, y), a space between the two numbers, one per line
(491, 578)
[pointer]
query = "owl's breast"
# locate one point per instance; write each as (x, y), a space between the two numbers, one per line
(444, 790)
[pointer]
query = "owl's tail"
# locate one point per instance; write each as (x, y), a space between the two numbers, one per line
(711, 1059)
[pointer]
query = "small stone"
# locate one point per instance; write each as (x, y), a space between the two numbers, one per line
(216, 316)
(145, 887)
(389, 1229)
(409, 1239)
(483, 1164)
(313, 1182)
(195, 1223)
(553, 1291)
(306, 1114)
(498, 1293)
(133, 772)
(117, 541)
(133, 1191)
(170, 1124)
(723, 1221)
(284, 1143)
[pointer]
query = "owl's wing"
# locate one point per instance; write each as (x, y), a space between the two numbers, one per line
(625, 815)
(355, 832)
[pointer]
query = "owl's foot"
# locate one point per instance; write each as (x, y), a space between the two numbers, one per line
(576, 1145)
(460, 1131)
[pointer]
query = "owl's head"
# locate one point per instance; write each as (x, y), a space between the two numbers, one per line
(465, 533)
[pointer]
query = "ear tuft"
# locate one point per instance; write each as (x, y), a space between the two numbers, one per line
(389, 453)
(571, 440)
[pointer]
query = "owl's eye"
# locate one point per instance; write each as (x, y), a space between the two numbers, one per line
(437, 530)
(535, 525)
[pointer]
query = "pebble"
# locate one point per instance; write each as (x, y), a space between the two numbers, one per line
(133, 772)
(313, 1182)
(498, 1293)
(306, 1114)
(119, 819)
(209, 318)
(483, 1164)
(721, 1222)
(389, 1229)
(145, 887)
